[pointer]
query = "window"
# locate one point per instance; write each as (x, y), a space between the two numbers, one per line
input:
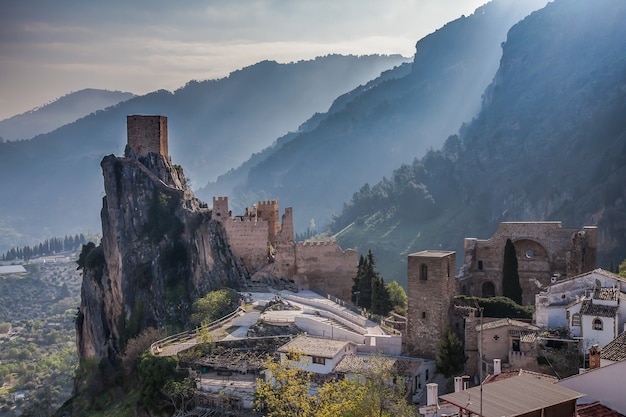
(480, 265)
(427, 375)
(319, 361)
(424, 272)
(576, 320)
(423, 314)
(597, 324)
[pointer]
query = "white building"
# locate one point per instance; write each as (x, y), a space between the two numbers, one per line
(605, 289)
(314, 354)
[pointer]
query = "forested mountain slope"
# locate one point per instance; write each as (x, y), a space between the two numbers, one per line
(390, 123)
(54, 182)
(548, 144)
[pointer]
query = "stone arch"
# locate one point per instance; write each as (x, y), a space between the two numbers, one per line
(530, 250)
(488, 289)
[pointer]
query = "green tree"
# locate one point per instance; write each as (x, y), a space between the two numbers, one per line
(214, 305)
(155, 372)
(622, 269)
(398, 297)
(450, 354)
(511, 287)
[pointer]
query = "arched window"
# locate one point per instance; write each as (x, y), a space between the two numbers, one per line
(576, 320)
(424, 272)
(597, 324)
(488, 290)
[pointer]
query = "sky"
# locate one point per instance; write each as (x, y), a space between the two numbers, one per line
(51, 48)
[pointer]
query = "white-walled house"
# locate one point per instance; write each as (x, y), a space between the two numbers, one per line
(552, 305)
(315, 354)
(595, 320)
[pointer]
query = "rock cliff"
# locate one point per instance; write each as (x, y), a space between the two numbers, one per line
(160, 251)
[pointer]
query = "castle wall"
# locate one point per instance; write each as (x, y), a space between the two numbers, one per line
(248, 239)
(431, 285)
(147, 134)
(325, 266)
(544, 249)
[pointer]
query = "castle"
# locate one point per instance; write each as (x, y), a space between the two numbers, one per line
(264, 244)
(268, 249)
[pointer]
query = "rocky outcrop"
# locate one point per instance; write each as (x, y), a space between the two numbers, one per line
(160, 251)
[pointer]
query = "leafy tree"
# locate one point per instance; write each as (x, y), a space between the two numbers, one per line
(511, 287)
(155, 372)
(450, 354)
(287, 392)
(180, 393)
(398, 297)
(622, 269)
(214, 305)
(139, 345)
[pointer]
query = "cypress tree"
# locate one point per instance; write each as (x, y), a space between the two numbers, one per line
(511, 287)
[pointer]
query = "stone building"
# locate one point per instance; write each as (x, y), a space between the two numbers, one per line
(268, 249)
(546, 253)
(431, 287)
(147, 134)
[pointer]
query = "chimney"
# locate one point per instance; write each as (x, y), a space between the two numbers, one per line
(497, 368)
(594, 356)
(458, 383)
(432, 394)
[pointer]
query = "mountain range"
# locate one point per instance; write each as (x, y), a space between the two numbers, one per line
(548, 144)
(59, 112)
(55, 184)
(513, 113)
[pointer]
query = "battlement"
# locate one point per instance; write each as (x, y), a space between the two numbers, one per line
(317, 243)
(147, 134)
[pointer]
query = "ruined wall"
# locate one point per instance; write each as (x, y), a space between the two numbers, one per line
(147, 134)
(431, 288)
(544, 250)
(325, 266)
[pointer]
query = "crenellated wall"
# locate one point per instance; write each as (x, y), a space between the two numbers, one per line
(268, 249)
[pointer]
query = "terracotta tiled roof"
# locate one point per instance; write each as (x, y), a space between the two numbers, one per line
(590, 309)
(615, 350)
(611, 294)
(314, 346)
(510, 374)
(506, 322)
(360, 363)
(596, 410)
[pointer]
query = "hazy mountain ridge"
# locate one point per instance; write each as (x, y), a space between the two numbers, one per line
(56, 183)
(393, 122)
(549, 144)
(59, 112)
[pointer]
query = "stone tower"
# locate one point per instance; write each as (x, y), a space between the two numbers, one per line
(147, 134)
(431, 287)
(268, 211)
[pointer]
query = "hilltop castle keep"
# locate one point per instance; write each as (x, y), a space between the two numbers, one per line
(545, 251)
(262, 240)
(268, 249)
(147, 134)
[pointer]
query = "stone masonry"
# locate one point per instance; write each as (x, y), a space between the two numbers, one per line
(268, 249)
(546, 253)
(432, 285)
(147, 134)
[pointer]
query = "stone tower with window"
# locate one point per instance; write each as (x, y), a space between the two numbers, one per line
(431, 287)
(147, 134)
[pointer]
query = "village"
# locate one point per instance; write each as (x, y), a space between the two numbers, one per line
(564, 360)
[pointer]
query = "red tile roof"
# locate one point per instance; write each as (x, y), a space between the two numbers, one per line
(596, 410)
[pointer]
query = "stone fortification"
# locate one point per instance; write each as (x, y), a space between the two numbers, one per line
(160, 251)
(147, 134)
(269, 250)
(545, 252)
(431, 287)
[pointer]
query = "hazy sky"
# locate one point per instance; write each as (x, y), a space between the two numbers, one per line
(50, 48)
